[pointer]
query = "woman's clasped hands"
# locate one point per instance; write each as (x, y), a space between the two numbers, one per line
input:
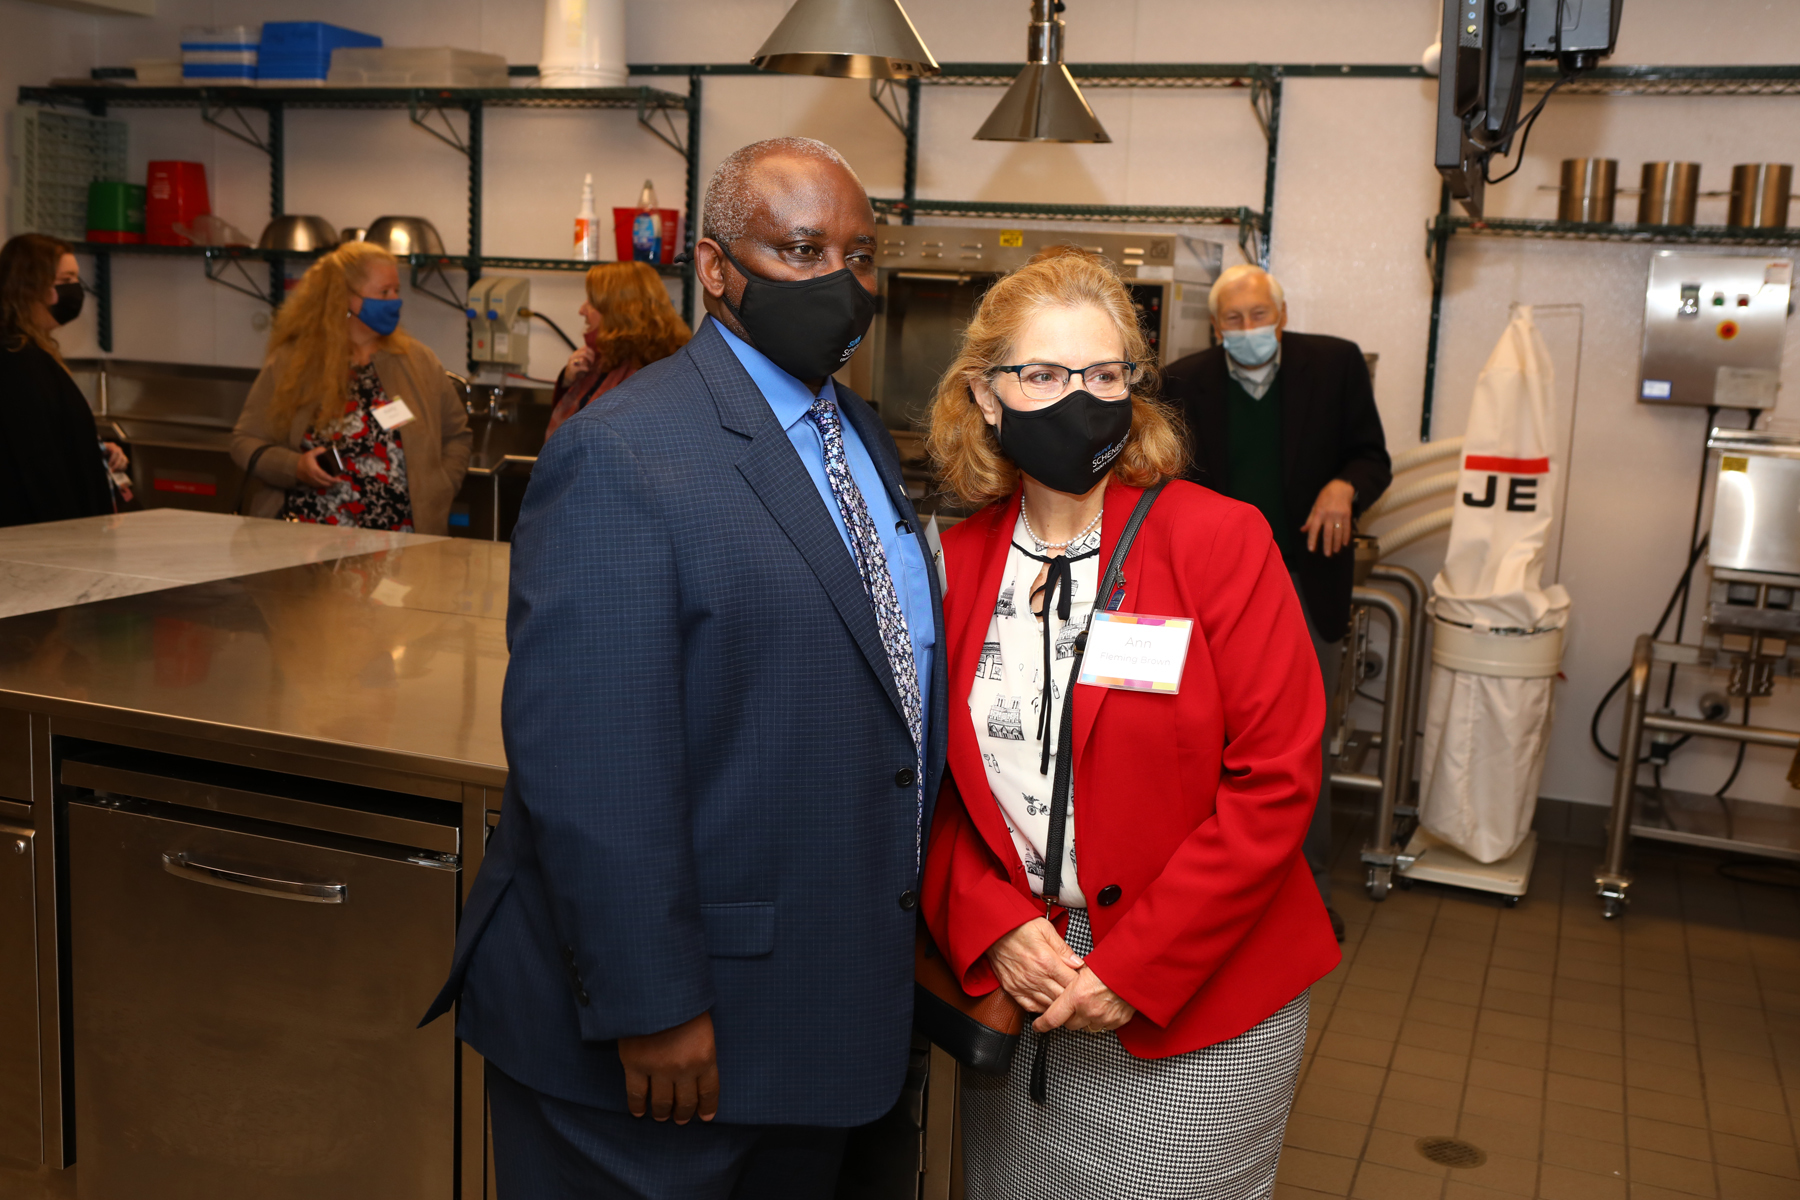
(1041, 973)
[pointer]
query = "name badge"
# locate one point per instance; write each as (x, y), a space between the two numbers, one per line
(393, 414)
(1136, 653)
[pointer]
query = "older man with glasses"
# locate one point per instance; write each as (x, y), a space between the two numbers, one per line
(1287, 422)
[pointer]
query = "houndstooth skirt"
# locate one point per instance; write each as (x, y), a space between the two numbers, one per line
(1206, 1125)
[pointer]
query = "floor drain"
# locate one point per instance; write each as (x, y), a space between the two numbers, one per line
(1451, 1152)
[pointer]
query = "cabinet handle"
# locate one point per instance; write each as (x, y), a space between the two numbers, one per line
(183, 867)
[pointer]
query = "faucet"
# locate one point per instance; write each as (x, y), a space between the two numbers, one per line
(468, 390)
(500, 408)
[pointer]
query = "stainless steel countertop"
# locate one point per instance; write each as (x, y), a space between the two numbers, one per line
(96, 558)
(390, 659)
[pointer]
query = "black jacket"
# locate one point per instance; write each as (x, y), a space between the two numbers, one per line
(50, 464)
(1330, 430)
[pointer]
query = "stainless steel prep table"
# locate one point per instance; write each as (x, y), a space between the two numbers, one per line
(382, 671)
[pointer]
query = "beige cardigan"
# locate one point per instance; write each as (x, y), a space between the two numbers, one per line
(436, 440)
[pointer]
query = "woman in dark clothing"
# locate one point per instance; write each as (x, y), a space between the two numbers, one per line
(630, 324)
(53, 465)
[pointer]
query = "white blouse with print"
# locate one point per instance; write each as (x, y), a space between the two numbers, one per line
(1007, 695)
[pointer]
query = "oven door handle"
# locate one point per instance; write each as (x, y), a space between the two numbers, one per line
(181, 866)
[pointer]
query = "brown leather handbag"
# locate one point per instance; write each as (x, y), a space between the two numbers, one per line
(980, 1032)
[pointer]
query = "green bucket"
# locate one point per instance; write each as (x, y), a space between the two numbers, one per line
(115, 212)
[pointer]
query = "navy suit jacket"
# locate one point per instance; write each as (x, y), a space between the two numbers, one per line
(705, 808)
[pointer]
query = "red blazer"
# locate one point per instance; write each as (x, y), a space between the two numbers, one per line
(1194, 805)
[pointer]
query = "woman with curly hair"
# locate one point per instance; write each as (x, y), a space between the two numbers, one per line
(630, 324)
(53, 465)
(351, 421)
(1148, 897)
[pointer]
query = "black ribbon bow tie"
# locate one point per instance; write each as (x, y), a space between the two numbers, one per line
(1060, 573)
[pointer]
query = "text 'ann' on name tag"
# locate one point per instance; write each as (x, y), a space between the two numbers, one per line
(393, 414)
(1135, 652)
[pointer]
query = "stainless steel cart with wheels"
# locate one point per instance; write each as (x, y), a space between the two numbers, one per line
(1394, 744)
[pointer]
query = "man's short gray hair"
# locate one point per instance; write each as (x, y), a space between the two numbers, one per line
(729, 198)
(1232, 276)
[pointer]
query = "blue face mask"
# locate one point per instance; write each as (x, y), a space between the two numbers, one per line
(1247, 347)
(383, 316)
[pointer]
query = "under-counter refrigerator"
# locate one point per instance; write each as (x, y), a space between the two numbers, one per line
(250, 956)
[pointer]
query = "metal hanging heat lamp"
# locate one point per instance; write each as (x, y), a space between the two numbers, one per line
(849, 39)
(1043, 104)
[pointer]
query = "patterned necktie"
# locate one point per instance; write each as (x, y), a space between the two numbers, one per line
(872, 565)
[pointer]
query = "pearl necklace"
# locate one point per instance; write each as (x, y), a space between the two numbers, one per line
(1045, 547)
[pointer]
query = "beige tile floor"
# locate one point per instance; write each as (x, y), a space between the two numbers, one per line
(1649, 1058)
(1653, 1058)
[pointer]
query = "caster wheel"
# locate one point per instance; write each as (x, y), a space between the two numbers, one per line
(1611, 907)
(1511, 901)
(1379, 878)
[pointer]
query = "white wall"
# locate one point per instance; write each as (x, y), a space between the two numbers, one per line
(1355, 188)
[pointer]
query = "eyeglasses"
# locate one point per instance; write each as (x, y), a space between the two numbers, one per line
(1047, 381)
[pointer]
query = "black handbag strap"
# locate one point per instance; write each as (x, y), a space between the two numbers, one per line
(1038, 1086)
(249, 471)
(1065, 749)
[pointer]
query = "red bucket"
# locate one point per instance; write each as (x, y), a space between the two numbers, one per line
(175, 194)
(670, 220)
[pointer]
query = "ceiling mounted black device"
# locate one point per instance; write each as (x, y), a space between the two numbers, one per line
(1481, 77)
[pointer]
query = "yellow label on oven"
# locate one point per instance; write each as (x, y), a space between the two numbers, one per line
(1733, 462)
(1012, 238)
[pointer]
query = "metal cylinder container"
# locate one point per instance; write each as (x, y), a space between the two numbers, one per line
(1759, 195)
(1589, 187)
(1669, 192)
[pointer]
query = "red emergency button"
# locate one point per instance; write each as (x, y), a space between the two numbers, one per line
(1728, 330)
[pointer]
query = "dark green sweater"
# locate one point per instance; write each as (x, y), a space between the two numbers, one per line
(1253, 455)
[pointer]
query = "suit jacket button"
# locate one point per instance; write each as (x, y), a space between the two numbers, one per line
(904, 777)
(909, 900)
(1109, 895)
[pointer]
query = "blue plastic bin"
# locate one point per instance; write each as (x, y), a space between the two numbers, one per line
(302, 49)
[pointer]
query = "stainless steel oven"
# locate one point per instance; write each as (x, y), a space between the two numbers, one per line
(932, 278)
(251, 953)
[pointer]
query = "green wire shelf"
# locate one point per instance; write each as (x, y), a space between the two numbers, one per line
(1140, 214)
(333, 97)
(460, 262)
(1576, 231)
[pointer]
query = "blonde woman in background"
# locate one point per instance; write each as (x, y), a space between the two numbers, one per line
(630, 324)
(352, 422)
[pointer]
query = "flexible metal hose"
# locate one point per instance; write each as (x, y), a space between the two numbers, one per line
(1412, 531)
(1425, 452)
(1412, 493)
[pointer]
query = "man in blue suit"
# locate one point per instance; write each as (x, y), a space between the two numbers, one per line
(725, 729)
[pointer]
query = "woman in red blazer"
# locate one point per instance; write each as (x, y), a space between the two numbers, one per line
(1187, 928)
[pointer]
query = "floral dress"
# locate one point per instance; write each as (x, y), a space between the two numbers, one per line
(374, 495)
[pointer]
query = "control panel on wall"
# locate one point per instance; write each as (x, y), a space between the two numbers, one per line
(1713, 329)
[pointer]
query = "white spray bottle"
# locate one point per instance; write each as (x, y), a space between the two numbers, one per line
(587, 225)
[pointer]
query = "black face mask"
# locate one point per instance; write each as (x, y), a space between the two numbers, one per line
(807, 327)
(68, 303)
(1069, 445)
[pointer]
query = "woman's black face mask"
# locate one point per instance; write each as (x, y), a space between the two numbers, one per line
(807, 327)
(1069, 445)
(68, 303)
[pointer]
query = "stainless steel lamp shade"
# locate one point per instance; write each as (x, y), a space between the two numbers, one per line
(851, 39)
(1043, 104)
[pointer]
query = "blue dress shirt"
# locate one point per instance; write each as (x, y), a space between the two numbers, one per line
(790, 401)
